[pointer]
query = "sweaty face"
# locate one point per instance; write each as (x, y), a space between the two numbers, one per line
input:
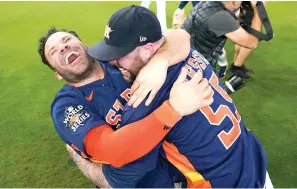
(68, 56)
(132, 62)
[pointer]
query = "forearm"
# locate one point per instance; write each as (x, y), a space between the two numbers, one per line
(256, 25)
(256, 22)
(132, 141)
(91, 170)
(175, 49)
(179, 45)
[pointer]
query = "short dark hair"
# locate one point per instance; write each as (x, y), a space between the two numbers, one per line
(44, 39)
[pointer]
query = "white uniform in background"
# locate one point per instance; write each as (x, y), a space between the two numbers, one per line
(161, 11)
(223, 64)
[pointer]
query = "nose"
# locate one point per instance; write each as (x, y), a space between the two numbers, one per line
(112, 62)
(64, 48)
(115, 63)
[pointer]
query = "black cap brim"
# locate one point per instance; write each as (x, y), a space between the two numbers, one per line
(104, 52)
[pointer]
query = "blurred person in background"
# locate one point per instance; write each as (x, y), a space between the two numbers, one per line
(161, 11)
(211, 23)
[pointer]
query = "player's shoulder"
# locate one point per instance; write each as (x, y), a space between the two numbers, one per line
(193, 59)
(67, 91)
(193, 53)
(108, 68)
(66, 95)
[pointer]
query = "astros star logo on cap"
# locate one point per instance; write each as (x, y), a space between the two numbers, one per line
(108, 30)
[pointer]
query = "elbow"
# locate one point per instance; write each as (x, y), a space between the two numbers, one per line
(185, 33)
(117, 164)
(186, 37)
(186, 42)
(117, 159)
(113, 159)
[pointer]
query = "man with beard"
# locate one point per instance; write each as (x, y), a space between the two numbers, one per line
(209, 148)
(96, 92)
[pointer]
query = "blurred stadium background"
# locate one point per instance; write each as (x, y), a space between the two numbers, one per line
(32, 154)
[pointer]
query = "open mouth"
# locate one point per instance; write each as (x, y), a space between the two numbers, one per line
(71, 57)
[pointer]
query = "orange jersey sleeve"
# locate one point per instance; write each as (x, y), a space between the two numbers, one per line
(132, 141)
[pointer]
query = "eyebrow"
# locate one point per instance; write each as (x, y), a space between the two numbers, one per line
(63, 39)
(50, 50)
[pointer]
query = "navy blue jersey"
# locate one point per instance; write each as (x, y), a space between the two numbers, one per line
(150, 171)
(76, 110)
(211, 148)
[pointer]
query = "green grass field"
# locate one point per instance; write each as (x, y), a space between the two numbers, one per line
(32, 154)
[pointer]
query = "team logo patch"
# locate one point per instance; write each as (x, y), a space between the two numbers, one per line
(75, 117)
(108, 30)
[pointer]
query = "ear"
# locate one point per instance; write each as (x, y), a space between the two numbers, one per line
(58, 76)
(148, 50)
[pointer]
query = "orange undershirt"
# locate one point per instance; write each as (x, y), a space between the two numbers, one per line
(132, 141)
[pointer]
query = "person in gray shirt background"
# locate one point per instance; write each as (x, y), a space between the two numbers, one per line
(210, 23)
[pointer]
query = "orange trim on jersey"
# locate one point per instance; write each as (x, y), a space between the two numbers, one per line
(118, 105)
(86, 157)
(81, 153)
(216, 118)
(181, 162)
(193, 62)
(98, 161)
(112, 118)
(126, 94)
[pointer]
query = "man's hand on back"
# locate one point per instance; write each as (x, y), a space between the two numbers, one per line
(188, 97)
